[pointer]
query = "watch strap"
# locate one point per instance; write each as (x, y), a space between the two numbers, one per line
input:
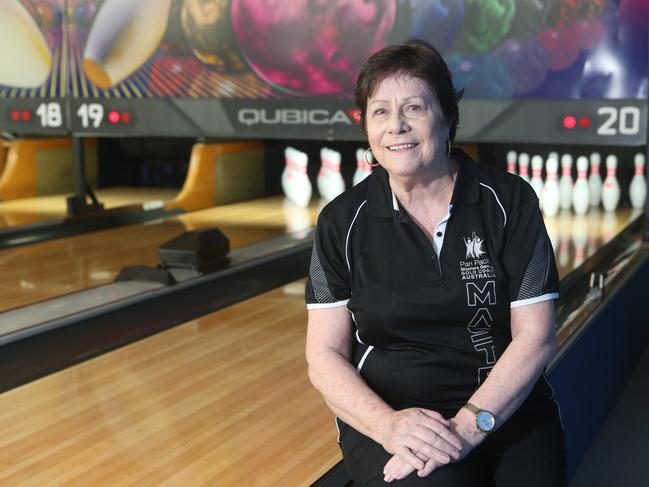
(472, 407)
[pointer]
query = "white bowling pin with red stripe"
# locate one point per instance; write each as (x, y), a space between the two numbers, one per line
(511, 162)
(595, 180)
(537, 180)
(611, 188)
(580, 193)
(638, 188)
(295, 180)
(523, 166)
(330, 181)
(363, 169)
(565, 183)
(551, 188)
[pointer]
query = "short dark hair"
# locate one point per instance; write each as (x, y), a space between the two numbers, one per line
(415, 58)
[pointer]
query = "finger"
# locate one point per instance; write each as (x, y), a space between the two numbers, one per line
(435, 415)
(428, 469)
(415, 444)
(433, 439)
(410, 458)
(447, 435)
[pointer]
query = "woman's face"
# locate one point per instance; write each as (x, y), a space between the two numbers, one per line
(405, 125)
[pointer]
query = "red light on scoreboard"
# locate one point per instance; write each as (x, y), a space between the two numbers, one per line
(116, 117)
(15, 115)
(569, 122)
(584, 122)
(26, 116)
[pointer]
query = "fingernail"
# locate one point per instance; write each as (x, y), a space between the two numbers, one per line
(446, 458)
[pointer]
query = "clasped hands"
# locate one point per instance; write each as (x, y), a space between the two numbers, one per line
(421, 439)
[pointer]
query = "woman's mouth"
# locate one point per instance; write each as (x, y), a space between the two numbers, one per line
(402, 147)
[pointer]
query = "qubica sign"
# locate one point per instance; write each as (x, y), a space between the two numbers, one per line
(290, 116)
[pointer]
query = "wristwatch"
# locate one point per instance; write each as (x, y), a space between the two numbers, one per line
(485, 421)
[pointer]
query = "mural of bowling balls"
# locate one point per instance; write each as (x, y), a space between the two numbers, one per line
(311, 47)
(561, 45)
(566, 12)
(206, 24)
(481, 76)
(526, 61)
(437, 21)
(530, 17)
(486, 23)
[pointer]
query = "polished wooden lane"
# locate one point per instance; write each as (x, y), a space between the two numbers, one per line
(577, 237)
(222, 400)
(49, 269)
(27, 211)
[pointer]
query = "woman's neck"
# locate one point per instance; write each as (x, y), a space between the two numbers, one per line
(432, 186)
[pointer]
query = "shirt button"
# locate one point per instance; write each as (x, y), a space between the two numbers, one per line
(439, 234)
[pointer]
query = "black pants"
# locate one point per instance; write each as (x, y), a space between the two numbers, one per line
(527, 451)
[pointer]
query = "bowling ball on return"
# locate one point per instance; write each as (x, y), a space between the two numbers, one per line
(206, 24)
(311, 47)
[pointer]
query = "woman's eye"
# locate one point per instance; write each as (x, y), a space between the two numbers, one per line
(379, 111)
(414, 108)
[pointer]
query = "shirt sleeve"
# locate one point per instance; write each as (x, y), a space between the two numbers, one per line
(327, 285)
(529, 257)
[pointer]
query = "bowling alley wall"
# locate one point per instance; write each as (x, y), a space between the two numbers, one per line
(287, 69)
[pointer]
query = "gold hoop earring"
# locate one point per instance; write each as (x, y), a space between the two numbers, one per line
(371, 158)
(448, 147)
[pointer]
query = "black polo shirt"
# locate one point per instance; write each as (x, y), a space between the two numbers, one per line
(429, 328)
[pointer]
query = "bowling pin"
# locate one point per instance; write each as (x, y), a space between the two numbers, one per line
(537, 181)
(554, 154)
(611, 188)
(595, 180)
(295, 181)
(330, 181)
(523, 166)
(638, 188)
(26, 58)
(565, 183)
(580, 193)
(123, 36)
(511, 162)
(551, 188)
(363, 169)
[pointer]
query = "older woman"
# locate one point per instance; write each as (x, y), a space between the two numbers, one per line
(431, 300)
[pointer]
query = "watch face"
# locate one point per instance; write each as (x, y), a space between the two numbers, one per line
(486, 421)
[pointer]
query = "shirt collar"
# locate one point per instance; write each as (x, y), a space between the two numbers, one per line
(382, 203)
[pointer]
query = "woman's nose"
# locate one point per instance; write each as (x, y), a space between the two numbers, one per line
(398, 123)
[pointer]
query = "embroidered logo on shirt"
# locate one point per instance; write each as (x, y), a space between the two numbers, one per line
(473, 246)
(477, 264)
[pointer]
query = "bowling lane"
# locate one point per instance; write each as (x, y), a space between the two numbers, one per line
(49, 269)
(221, 400)
(577, 237)
(28, 211)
